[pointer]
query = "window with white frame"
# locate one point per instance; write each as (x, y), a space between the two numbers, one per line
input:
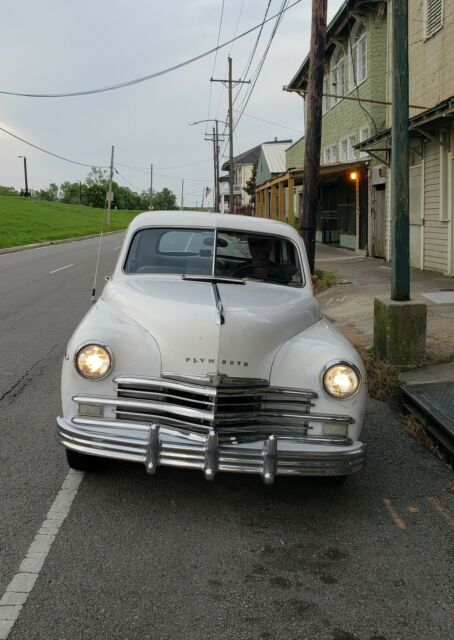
(338, 75)
(346, 150)
(358, 58)
(327, 155)
(434, 16)
(326, 100)
(334, 153)
(363, 135)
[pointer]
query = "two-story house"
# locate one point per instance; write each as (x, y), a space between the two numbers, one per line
(354, 92)
(431, 131)
(269, 159)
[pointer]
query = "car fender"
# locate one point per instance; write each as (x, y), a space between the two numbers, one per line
(135, 352)
(301, 362)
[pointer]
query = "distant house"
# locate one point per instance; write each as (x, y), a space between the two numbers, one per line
(272, 162)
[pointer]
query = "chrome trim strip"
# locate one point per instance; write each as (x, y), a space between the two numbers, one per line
(201, 386)
(154, 449)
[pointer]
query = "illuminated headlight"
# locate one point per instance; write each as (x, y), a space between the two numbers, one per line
(341, 380)
(93, 361)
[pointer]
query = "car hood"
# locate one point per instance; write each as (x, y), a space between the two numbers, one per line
(183, 318)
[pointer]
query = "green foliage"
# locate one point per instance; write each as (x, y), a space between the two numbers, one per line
(7, 191)
(164, 200)
(326, 278)
(250, 184)
(72, 193)
(49, 194)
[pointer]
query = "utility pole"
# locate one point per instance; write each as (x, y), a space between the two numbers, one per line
(109, 193)
(215, 139)
(151, 187)
(400, 324)
(313, 129)
(215, 159)
(216, 165)
(230, 84)
(400, 224)
(182, 194)
(80, 191)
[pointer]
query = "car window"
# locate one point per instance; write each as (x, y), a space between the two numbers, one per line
(260, 257)
(180, 251)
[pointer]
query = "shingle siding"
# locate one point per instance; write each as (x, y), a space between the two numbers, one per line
(349, 116)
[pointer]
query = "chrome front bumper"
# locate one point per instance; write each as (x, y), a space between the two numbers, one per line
(155, 446)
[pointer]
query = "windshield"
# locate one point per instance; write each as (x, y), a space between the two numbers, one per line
(239, 254)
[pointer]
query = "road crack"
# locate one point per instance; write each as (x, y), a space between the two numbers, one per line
(18, 387)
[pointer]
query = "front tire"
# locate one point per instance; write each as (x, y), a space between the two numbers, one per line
(82, 462)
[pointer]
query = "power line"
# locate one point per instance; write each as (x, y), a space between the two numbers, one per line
(262, 61)
(215, 58)
(244, 104)
(50, 153)
(276, 124)
(254, 49)
(129, 83)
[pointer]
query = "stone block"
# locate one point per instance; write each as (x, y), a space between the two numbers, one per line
(400, 331)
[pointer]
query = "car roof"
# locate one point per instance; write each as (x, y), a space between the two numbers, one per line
(210, 221)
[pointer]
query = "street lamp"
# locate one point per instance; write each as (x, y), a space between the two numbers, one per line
(215, 140)
(26, 194)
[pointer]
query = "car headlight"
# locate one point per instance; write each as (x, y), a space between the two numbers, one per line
(93, 361)
(341, 380)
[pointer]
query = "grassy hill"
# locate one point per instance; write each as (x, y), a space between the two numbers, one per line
(25, 221)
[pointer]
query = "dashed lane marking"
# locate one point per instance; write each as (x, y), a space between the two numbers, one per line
(440, 507)
(394, 514)
(116, 248)
(21, 585)
(61, 268)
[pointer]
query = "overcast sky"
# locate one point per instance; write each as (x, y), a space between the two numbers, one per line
(61, 46)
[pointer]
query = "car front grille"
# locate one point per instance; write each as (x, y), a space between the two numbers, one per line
(240, 410)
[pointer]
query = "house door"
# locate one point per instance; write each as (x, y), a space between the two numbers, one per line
(378, 221)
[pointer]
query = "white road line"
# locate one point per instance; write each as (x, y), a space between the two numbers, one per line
(61, 268)
(116, 248)
(21, 585)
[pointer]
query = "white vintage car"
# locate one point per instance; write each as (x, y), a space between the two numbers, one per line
(207, 350)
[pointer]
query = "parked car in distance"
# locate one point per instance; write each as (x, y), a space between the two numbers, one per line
(207, 350)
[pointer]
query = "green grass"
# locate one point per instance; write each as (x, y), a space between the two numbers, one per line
(326, 278)
(24, 221)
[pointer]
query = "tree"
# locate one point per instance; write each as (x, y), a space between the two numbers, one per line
(7, 191)
(164, 200)
(50, 194)
(70, 192)
(250, 184)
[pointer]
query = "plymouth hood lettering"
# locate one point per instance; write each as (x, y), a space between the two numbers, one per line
(182, 316)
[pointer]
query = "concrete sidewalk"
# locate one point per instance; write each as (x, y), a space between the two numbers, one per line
(350, 305)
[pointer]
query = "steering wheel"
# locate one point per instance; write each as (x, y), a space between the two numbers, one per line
(240, 271)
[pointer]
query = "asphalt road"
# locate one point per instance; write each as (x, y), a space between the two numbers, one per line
(174, 557)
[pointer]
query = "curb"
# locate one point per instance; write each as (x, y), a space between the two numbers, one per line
(48, 243)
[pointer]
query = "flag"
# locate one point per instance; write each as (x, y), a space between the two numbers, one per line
(207, 192)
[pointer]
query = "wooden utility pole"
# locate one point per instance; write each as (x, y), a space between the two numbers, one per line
(109, 193)
(230, 84)
(182, 194)
(230, 119)
(313, 131)
(216, 178)
(400, 224)
(151, 187)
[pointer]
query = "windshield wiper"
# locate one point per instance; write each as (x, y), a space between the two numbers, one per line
(214, 279)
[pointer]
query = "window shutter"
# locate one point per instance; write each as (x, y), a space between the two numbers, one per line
(434, 16)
